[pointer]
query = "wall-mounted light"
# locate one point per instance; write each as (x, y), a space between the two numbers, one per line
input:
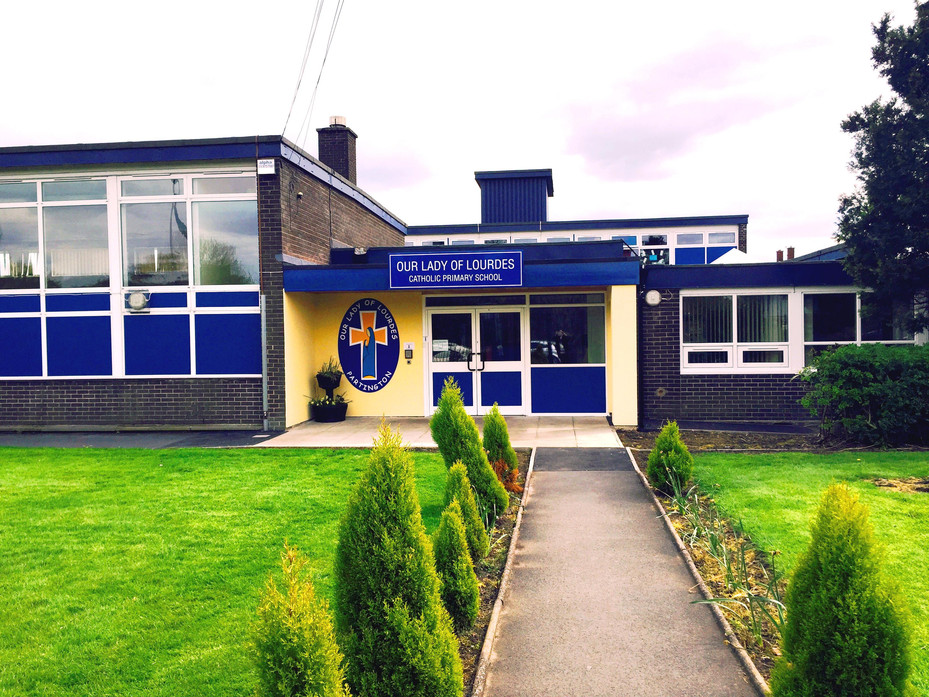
(652, 297)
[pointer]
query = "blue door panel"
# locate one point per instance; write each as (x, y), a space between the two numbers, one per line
(569, 390)
(465, 383)
(506, 389)
(79, 346)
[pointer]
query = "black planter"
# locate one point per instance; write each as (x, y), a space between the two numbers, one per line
(328, 382)
(328, 413)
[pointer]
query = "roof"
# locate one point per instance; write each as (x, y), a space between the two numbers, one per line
(555, 226)
(545, 174)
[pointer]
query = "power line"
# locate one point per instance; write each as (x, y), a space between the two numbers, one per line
(306, 56)
(304, 130)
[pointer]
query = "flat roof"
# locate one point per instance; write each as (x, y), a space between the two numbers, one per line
(555, 225)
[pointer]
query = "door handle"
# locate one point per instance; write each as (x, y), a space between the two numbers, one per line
(472, 357)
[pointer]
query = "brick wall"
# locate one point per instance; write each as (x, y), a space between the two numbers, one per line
(666, 394)
(150, 402)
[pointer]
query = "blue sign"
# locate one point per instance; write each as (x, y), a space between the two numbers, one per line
(369, 345)
(456, 270)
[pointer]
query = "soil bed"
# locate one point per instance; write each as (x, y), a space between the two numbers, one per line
(489, 572)
(727, 441)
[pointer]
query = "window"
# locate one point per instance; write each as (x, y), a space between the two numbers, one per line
(572, 333)
(832, 319)
(690, 238)
(208, 237)
(654, 240)
(589, 238)
(721, 238)
(76, 247)
(19, 248)
(734, 331)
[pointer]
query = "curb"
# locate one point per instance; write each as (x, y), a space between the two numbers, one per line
(757, 680)
(480, 675)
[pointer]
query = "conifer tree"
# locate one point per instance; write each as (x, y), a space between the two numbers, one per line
(458, 488)
(497, 439)
(390, 623)
(460, 593)
(845, 633)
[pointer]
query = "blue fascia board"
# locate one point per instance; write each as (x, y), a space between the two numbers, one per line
(145, 152)
(607, 250)
(766, 275)
(563, 274)
(555, 226)
(545, 174)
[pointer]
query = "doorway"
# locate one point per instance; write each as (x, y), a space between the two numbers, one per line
(483, 349)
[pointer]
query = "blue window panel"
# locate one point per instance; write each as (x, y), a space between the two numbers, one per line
(20, 346)
(19, 303)
(464, 382)
(157, 344)
(628, 239)
(689, 255)
(79, 346)
(569, 390)
(228, 344)
(714, 253)
(83, 302)
(159, 300)
(232, 299)
(506, 389)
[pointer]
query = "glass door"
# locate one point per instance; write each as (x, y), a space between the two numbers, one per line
(483, 350)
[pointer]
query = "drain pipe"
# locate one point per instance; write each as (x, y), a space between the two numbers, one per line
(262, 304)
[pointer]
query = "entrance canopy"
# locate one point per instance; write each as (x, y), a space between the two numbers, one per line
(569, 265)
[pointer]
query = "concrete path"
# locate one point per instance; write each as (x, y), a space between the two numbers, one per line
(599, 601)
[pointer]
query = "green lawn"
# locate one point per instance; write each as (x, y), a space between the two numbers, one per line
(775, 496)
(137, 572)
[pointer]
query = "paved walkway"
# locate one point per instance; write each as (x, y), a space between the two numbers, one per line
(525, 432)
(599, 601)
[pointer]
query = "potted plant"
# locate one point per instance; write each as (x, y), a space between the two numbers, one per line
(329, 376)
(329, 408)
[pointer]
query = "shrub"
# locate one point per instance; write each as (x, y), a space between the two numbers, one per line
(871, 394)
(460, 594)
(508, 477)
(458, 488)
(845, 633)
(396, 636)
(294, 645)
(670, 464)
(497, 441)
(456, 434)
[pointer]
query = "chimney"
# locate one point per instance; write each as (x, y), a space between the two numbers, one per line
(337, 148)
(780, 255)
(790, 253)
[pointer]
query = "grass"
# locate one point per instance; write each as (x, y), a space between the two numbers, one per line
(774, 496)
(130, 572)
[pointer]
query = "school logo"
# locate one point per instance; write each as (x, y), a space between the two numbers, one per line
(369, 345)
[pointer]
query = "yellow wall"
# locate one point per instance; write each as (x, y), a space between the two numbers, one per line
(311, 333)
(622, 356)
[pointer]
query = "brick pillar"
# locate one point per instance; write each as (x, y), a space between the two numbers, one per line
(337, 148)
(272, 287)
(743, 237)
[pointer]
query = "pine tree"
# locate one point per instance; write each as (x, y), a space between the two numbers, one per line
(497, 439)
(458, 488)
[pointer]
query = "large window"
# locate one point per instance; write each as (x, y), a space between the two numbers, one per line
(19, 248)
(832, 319)
(734, 331)
(572, 333)
(76, 249)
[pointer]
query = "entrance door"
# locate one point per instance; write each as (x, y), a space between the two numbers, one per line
(483, 350)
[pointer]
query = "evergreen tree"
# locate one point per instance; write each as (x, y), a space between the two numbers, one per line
(460, 593)
(885, 223)
(497, 439)
(845, 633)
(295, 649)
(396, 636)
(458, 488)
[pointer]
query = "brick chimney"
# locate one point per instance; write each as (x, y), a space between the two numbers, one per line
(790, 253)
(337, 148)
(780, 255)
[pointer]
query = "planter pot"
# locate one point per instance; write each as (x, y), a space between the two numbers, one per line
(327, 413)
(328, 382)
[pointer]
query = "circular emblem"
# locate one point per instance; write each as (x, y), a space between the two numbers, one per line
(369, 345)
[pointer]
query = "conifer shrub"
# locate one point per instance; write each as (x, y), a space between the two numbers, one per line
(508, 477)
(458, 488)
(845, 631)
(293, 642)
(396, 636)
(497, 442)
(460, 593)
(458, 438)
(670, 464)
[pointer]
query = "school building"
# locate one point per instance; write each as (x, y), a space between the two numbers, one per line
(201, 284)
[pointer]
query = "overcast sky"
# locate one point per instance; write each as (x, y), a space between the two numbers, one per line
(642, 109)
